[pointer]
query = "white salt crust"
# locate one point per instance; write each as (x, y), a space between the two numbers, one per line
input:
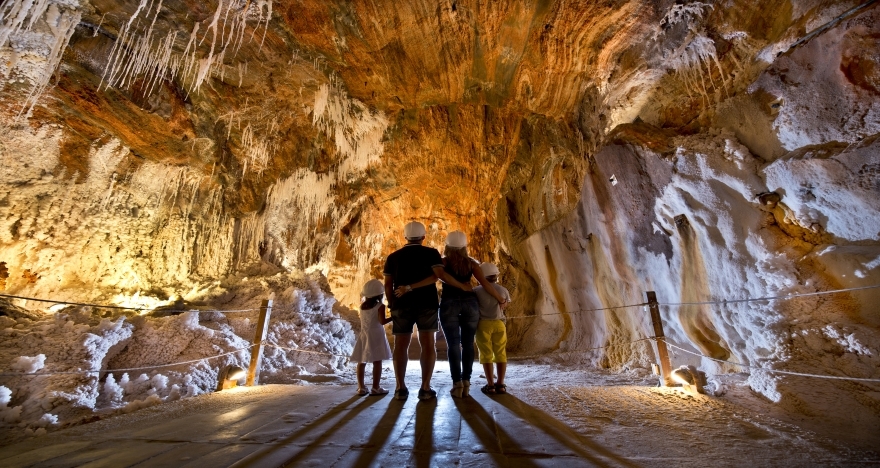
(77, 339)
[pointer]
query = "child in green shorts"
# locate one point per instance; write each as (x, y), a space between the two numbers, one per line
(491, 332)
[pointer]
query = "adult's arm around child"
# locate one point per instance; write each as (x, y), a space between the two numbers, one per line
(478, 274)
(381, 312)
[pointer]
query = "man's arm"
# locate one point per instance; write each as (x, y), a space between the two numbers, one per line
(439, 272)
(389, 290)
(401, 290)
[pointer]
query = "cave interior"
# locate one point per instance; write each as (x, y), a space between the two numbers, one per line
(168, 165)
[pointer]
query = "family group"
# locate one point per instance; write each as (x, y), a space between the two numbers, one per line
(466, 314)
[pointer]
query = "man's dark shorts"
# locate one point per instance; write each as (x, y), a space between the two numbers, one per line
(402, 320)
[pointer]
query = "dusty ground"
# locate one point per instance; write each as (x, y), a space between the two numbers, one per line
(627, 412)
(555, 415)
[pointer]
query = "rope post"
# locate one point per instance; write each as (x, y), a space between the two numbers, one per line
(253, 374)
(662, 354)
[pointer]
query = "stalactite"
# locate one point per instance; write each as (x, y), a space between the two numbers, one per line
(19, 17)
(258, 151)
(695, 52)
(138, 53)
(356, 130)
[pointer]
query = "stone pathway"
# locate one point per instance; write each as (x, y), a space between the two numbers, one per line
(279, 425)
(587, 419)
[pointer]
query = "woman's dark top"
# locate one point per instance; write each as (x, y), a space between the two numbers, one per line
(451, 292)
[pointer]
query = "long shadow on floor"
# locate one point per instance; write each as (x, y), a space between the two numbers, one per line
(561, 432)
(381, 432)
(270, 455)
(423, 448)
(489, 433)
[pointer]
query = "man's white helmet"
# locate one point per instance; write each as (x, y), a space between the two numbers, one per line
(373, 288)
(414, 230)
(456, 239)
(489, 269)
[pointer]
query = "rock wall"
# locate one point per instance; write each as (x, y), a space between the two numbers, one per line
(768, 197)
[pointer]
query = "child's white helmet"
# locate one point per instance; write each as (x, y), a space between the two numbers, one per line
(373, 288)
(489, 269)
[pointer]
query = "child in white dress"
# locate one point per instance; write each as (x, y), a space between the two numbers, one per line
(372, 345)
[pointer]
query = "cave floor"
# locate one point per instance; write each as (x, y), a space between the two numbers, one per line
(565, 421)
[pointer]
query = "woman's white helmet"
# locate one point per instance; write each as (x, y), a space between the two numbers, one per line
(456, 239)
(489, 269)
(373, 288)
(414, 230)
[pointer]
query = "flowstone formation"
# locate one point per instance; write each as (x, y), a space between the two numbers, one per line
(162, 150)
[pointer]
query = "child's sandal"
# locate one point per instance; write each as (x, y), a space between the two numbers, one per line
(500, 389)
(488, 390)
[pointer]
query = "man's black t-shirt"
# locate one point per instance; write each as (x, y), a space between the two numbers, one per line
(411, 264)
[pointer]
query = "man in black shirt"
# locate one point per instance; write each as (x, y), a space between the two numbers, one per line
(415, 268)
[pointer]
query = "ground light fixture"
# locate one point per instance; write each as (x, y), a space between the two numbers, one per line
(690, 378)
(229, 376)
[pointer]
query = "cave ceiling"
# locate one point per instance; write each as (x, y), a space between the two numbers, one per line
(480, 116)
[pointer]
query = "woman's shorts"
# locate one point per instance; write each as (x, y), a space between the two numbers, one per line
(492, 341)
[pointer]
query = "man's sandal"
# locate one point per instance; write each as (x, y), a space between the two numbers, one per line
(500, 389)
(488, 390)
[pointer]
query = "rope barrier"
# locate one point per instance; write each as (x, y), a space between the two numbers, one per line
(533, 356)
(120, 307)
(800, 374)
(130, 369)
(222, 311)
(732, 301)
(666, 340)
(291, 309)
(305, 351)
(514, 358)
(579, 311)
(769, 298)
(70, 303)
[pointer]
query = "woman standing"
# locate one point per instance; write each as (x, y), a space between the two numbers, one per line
(460, 311)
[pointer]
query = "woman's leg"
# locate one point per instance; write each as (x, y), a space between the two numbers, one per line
(469, 320)
(449, 323)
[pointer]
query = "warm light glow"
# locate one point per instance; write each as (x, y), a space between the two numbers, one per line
(57, 307)
(138, 301)
(681, 376)
(234, 373)
(228, 377)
